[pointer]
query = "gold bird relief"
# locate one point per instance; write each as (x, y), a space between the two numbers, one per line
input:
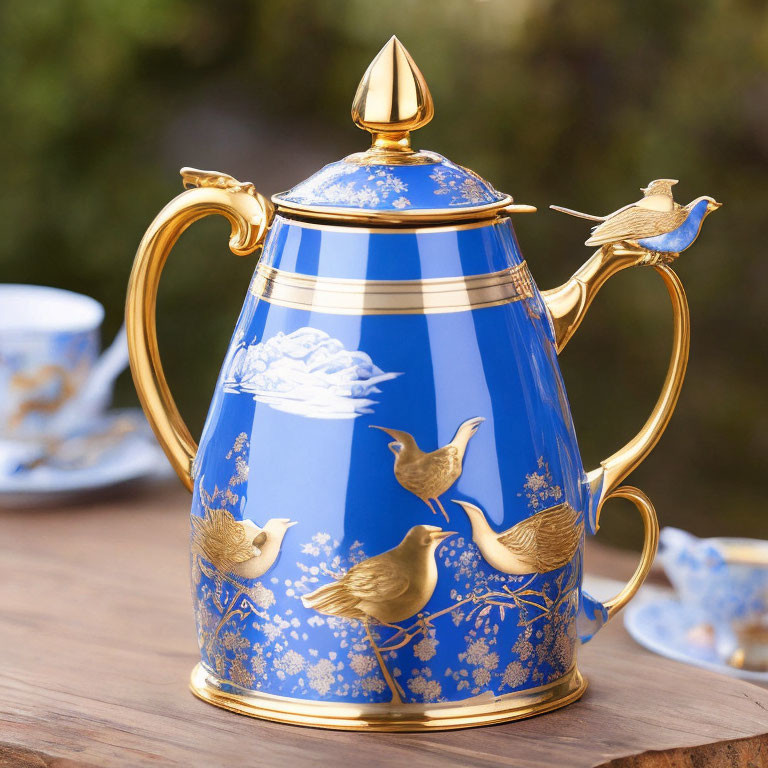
(429, 475)
(238, 547)
(544, 542)
(387, 588)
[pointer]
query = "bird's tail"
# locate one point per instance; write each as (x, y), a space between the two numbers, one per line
(465, 431)
(332, 599)
(578, 214)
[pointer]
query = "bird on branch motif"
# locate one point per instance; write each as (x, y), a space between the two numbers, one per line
(429, 475)
(387, 588)
(655, 222)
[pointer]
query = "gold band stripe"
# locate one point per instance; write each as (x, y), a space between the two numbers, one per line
(341, 296)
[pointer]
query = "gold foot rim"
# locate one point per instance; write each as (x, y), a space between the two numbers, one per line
(477, 711)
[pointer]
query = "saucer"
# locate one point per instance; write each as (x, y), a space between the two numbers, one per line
(665, 626)
(123, 450)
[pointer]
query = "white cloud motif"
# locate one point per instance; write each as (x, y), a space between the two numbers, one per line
(308, 373)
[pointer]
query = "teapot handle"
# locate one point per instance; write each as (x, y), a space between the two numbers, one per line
(650, 544)
(567, 306)
(249, 215)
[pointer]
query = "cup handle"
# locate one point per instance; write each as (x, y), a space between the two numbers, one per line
(95, 394)
(249, 215)
(113, 361)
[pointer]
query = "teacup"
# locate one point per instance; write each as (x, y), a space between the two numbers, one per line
(49, 344)
(723, 583)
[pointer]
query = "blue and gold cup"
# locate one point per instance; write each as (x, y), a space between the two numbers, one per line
(49, 343)
(723, 584)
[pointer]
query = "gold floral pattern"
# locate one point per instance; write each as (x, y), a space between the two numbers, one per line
(465, 187)
(239, 453)
(332, 186)
(515, 675)
(392, 186)
(426, 648)
(423, 686)
(540, 488)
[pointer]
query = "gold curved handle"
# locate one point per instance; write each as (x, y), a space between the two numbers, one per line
(617, 466)
(567, 306)
(249, 215)
(650, 544)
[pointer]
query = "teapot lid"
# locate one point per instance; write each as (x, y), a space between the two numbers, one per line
(392, 182)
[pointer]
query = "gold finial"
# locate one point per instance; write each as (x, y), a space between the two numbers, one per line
(392, 98)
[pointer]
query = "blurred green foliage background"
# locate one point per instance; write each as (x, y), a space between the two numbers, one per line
(554, 101)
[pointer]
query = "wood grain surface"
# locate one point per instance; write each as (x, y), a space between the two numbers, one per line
(97, 641)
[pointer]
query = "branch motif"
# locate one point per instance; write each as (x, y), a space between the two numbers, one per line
(522, 598)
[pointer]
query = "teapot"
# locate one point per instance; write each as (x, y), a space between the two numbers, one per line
(388, 503)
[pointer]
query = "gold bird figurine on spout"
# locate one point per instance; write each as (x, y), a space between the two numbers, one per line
(541, 543)
(429, 475)
(655, 222)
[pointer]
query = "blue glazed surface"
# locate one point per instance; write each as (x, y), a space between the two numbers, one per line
(288, 436)
(390, 254)
(427, 187)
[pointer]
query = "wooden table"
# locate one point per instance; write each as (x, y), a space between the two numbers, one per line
(97, 642)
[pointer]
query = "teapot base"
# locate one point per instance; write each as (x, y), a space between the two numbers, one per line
(480, 710)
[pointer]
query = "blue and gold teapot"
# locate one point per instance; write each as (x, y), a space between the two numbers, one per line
(389, 506)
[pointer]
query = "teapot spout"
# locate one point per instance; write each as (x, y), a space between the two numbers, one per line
(568, 303)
